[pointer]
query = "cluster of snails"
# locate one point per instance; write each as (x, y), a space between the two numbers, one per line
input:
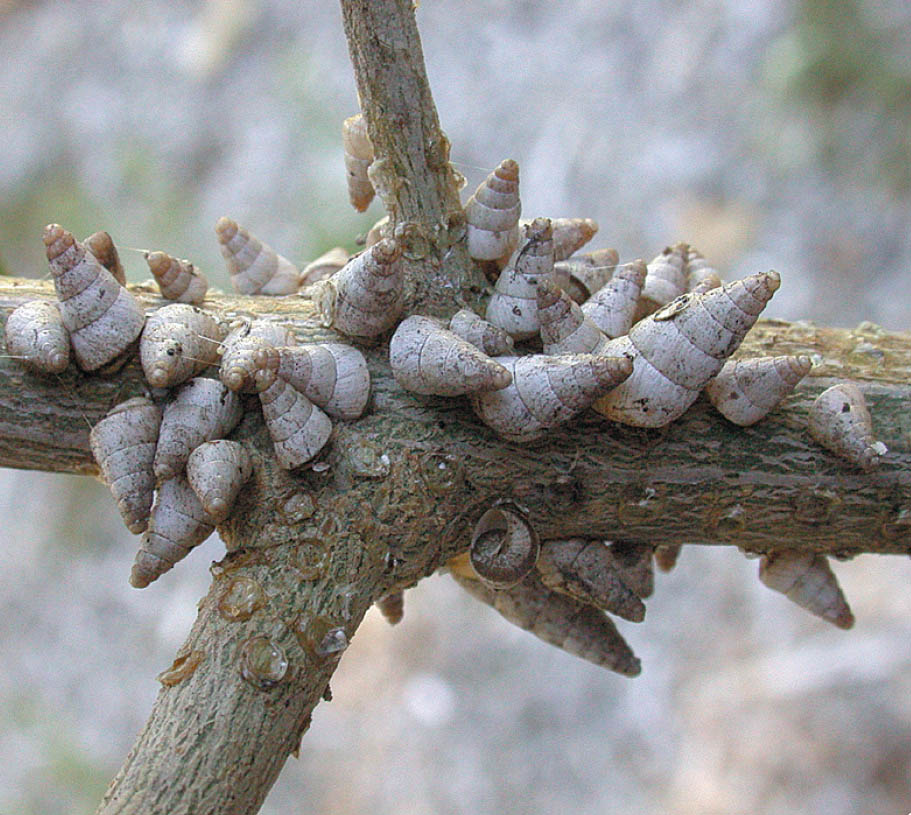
(171, 470)
(637, 342)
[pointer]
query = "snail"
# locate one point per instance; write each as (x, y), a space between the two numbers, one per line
(102, 317)
(358, 158)
(177, 279)
(492, 214)
(807, 579)
(123, 444)
(37, 337)
(483, 335)
(255, 267)
(216, 471)
(563, 326)
(746, 390)
(178, 342)
(840, 421)
(613, 306)
(504, 547)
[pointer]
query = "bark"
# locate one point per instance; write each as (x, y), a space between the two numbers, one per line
(398, 491)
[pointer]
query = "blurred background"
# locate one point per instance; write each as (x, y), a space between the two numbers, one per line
(768, 134)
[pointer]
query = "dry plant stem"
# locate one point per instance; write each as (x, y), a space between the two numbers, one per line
(411, 172)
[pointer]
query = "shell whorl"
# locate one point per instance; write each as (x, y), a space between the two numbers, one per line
(580, 276)
(177, 279)
(429, 359)
(504, 547)
(101, 245)
(492, 214)
(746, 390)
(547, 391)
(178, 342)
(103, 318)
(807, 579)
(840, 421)
(201, 410)
(358, 151)
(571, 234)
(679, 348)
(664, 281)
(485, 336)
(564, 328)
(613, 306)
(299, 429)
(254, 266)
(513, 305)
(123, 444)
(365, 298)
(36, 335)
(216, 471)
(333, 376)
(240, 361)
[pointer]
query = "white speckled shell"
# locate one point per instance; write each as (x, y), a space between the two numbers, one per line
(103, 318)
(216, 470)
(744, 391)
(101, 245)
(331, 375)
(255, 267)
(546, 392)
(613, 306)
(564, 328)
(840, 421)
(429, 359)
(585, 570)
(559, 620)
(513, 306)
(326, 265)
(365, 298)
(201, 410)
(580, 276)
(178, 342)
(37, 337)
(240, 369)
(569, 234)
(178, 524)
(177, 279)
(492, 214)
(358, 158)
(664, 281)
(299, 429)
(123, 444)
(677, 350)
(487, 337)
(807, 579)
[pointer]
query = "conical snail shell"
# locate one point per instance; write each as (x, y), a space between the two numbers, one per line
(101, 245)
(807, 579)
(504, 547)
(242, 351)
(216, 470)
(664, 281)
(202, 410)
(490, 339)
(746, 390)
(576, 628)
(492, 214)
(178, 342)
(333, 376)
(36, 335)
(326, 265)
(678, 349)
(564, 328)
(585, 570)
(580, 276)
(513, 306)
(840, 421)
(569, 234)
(178, 524)
(427, 358)
(103, 318)
(613, 306)
(546, 392)
(255, 267)
(358, 158)
(177, 279)
(123, 444)
(298, 428)
(365, 298)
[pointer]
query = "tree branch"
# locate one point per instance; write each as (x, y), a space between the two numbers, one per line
(411, 172)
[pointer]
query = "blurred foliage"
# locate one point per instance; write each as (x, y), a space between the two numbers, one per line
(845, 61)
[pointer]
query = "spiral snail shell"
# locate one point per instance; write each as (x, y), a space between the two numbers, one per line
(37, 337)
